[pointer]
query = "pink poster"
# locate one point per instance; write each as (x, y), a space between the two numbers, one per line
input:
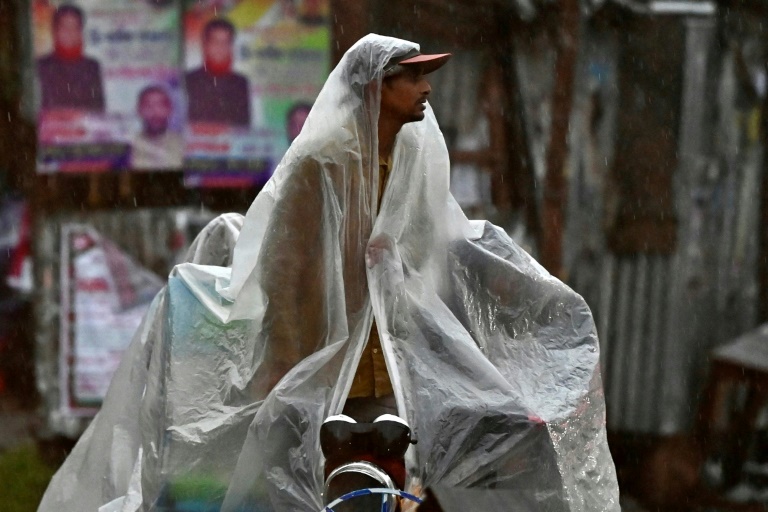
(252, 71)
(104, 295)
(108, 90)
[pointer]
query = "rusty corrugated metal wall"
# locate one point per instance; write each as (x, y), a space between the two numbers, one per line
(660, 314)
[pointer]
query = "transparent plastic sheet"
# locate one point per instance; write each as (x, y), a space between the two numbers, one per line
(494, 362)
(101, 465)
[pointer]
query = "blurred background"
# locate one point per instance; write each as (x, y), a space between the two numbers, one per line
(620, 142)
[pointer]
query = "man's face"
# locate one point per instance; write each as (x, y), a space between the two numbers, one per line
(68, 33)
(296, 122)
(404, 96)
(155, 109)
(217, 46)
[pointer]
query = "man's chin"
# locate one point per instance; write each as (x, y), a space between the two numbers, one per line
(417, 117)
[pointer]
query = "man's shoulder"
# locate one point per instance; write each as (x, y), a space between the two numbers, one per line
(327, 147)
(195, 74)
(240, 78)
(238, 82)
(307, 162)
(51, 60)
(201, 74)
(89, 67)
(319, 163)
(315, 162)
(45, 60)
(173, 142)
(91, 63)
(169, 137)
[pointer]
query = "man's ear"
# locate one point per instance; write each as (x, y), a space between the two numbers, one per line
(371, 87)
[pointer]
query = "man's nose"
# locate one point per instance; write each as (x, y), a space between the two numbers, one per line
(426, 89)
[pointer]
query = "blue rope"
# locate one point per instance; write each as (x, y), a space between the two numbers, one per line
(368, 492)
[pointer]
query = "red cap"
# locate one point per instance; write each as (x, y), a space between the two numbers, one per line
(428, 63)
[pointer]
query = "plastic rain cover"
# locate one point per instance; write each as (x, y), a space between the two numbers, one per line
(218, 402)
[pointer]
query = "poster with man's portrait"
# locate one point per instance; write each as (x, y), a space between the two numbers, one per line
(252, 70)
(108, 86)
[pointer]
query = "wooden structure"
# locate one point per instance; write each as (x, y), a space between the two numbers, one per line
(728, 420)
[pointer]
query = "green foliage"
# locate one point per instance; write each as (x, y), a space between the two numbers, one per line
(24, 477)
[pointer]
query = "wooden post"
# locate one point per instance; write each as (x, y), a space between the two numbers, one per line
(555, 193)
(523, 180)
(350, 23)
(762, 260)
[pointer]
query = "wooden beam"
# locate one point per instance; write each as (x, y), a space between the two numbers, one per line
(466, 25)
(555, 193)
(640, 204)
(16, 133)
(522, 178)
(350, 23)
(762, 261)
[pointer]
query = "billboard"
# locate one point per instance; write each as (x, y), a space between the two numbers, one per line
(252, 71)
(218, 88)
(108, 89)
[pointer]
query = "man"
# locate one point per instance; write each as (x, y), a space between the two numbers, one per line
(295, 119)
(492, 362)
(368, 292)
(156, 147)
(217, 94)
(67, 78)
(404, 94)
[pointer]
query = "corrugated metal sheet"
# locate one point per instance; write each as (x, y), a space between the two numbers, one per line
(632, 330)
(658, 317)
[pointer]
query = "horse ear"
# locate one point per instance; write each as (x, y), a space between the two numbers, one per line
(392, 417)
(339, 417)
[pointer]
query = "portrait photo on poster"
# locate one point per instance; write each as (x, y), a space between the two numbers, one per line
(252, 72)
(93, 60)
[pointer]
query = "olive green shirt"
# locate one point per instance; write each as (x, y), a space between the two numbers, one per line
(372, 378)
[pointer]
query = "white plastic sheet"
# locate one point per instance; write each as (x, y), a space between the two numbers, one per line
(219, 402)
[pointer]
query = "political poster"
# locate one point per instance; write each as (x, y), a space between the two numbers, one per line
(252, 71)
(108, 88)
(104, 295)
